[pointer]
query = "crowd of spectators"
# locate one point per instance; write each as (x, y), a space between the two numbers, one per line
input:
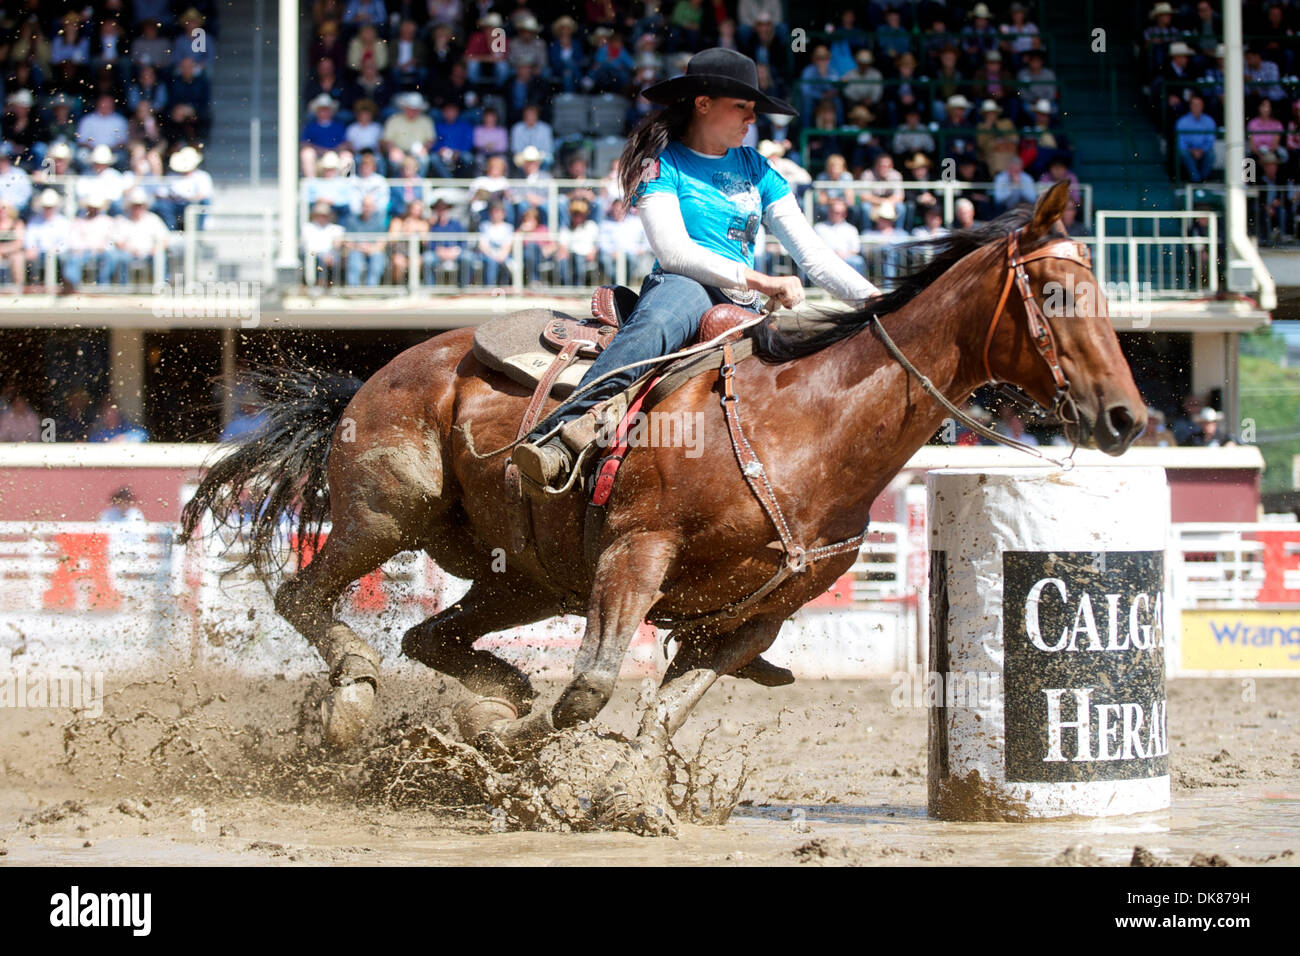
(1184, 58)
(81, 418)
(888, 92)
(106, 110)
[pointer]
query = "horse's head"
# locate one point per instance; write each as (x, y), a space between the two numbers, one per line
(1051, 333)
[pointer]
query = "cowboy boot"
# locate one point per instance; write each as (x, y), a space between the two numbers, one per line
(549, 463)
(544, 464)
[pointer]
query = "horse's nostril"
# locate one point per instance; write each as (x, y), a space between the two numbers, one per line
(1120, 421)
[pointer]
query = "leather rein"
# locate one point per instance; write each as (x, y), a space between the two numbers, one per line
(1062, 408)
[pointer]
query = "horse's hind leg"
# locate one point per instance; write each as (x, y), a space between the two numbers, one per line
(307, 602)
(494, 603)
(697, 666)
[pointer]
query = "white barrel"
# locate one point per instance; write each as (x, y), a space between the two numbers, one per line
(1047, 669)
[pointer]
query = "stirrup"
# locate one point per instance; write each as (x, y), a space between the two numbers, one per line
(544, 464)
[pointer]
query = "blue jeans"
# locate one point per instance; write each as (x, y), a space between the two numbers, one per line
(1198, 170)
(100, 264)
(666, 318)
(369, 264)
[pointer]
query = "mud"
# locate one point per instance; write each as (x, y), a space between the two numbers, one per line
(207, 768)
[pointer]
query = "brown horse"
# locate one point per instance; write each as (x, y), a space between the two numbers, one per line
(832, 420)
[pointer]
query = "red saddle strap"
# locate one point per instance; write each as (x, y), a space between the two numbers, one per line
(603, 486)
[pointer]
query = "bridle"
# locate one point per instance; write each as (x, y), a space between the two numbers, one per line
(1062, 408)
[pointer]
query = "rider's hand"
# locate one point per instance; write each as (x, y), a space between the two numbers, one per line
(786, 290)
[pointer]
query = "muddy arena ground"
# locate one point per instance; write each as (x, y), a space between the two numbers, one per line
(200, 768)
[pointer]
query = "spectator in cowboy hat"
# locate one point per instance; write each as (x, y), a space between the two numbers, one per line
(138, 236)
(184, 186)
(322, 241)
(333, 184)
(57, 166)
(536, 191)
(103, 180)
(886, 236)
(1043, 144)
(567, 58)
(1177, 78)
(322, 133)
(90, 245)
(410, 131)
(792, 172)
(1161, 32)
(47, 233)
(527, 46)
(979, 36)
(864, 83)
(1212, 433)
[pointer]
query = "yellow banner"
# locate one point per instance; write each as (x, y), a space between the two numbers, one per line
(1244, 640)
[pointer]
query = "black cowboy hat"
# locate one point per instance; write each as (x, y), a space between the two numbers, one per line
(718, 72)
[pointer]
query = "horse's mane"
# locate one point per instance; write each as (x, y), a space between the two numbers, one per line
(937, 255)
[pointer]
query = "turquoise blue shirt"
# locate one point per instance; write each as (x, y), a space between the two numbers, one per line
(722, 198)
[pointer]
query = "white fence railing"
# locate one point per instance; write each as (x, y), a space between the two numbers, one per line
(124, 595)
(45, 563)
(1158, 254)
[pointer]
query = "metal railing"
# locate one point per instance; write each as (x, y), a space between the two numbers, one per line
(1136, 250)
(946, 192)
(1266, 227)
(48, 267)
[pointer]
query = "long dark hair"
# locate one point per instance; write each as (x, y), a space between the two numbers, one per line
(648, 140)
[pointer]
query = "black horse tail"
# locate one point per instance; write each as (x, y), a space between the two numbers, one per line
(278, 472)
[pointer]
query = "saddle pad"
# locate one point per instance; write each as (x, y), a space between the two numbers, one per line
(514, 346)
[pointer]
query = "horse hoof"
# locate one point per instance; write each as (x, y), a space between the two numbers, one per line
(473, 717)
(521, 735)
(765, 673)
(345, 711)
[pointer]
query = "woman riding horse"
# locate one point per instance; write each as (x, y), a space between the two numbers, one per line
(701, 196)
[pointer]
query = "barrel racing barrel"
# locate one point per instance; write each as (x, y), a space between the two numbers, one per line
(1047, 598)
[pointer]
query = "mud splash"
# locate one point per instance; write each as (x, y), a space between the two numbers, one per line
(175, 735)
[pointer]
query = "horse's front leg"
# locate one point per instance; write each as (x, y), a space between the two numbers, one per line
(628, 577)
(697, 666)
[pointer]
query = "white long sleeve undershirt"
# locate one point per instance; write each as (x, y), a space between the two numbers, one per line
(823, 266)
(677, 252)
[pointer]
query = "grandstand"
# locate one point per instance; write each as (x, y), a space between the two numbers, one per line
(189, 187)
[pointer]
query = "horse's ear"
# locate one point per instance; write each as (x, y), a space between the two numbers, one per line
(1048, 210)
